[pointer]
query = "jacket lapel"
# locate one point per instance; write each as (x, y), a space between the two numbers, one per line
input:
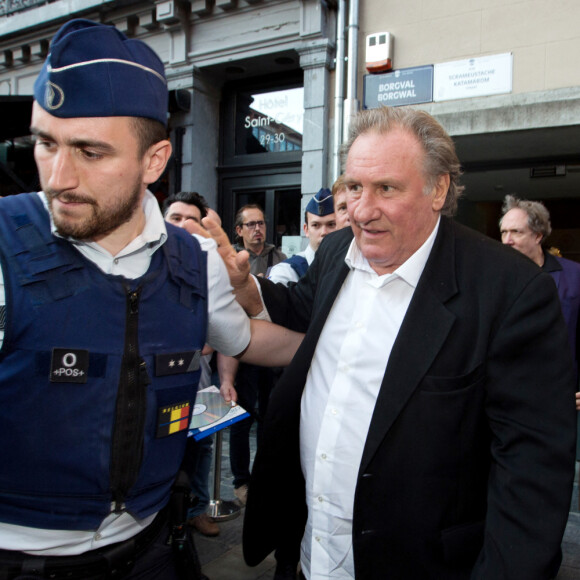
(330, 283)
(425, 327)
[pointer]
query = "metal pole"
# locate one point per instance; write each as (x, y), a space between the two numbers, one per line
(339, 87)
(220, 509)
(351, 103)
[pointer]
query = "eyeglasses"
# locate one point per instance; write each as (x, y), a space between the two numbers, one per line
(252, 225)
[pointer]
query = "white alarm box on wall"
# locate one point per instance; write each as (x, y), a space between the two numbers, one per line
(379, 52)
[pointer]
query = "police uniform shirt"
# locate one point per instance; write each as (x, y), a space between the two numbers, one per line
(285, 273)
(228, 332)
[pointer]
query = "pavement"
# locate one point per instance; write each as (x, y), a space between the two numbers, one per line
(221, 557)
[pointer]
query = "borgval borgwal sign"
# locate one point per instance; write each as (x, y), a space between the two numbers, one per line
(460, 79)
(409, 86)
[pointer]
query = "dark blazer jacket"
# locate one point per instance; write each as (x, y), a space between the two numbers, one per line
(468, 465)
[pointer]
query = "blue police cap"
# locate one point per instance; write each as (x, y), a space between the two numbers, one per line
(93, 70)
(321, 204)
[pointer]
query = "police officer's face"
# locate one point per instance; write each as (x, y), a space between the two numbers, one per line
(91, 173)
(317, 228)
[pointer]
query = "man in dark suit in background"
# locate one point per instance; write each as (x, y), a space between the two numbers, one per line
(424, 428)
(525, 226)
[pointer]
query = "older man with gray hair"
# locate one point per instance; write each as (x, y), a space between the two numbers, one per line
(525, 226)
(423, 430)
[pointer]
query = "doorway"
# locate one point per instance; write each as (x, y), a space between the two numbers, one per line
(261, 152)
(279, 195)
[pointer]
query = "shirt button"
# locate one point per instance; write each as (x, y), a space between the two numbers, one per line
(320, 499)
(334, 411)
(323, 456)
(317, 538)
(116, 261)
(98, 536)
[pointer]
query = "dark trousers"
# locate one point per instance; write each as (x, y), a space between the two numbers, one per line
(197, 465)
(157, 562)
(253, 385)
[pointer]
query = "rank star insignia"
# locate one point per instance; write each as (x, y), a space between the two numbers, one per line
(177, 362)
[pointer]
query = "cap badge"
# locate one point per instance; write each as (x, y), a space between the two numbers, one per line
(53, 96)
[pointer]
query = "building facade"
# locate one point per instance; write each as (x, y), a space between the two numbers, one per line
(262, 90)
(525, 141)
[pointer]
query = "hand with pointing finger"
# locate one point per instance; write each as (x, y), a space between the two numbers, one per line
(237, 265)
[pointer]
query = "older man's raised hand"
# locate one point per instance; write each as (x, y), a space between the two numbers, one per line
(237, 264)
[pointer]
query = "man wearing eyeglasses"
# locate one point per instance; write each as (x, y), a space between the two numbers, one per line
(251, 229)
(253, 383)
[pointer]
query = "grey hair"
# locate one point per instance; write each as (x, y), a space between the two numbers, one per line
(538, 215)
(440, 155)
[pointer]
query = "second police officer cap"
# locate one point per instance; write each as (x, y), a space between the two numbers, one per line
(93, 70)
(322, 203)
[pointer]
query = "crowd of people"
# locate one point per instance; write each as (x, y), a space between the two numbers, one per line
(413, 380)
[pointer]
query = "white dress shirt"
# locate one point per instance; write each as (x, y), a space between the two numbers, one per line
(285, 273)
(339, 398)
(228, 332)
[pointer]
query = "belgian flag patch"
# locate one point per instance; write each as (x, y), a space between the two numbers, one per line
(173, 418)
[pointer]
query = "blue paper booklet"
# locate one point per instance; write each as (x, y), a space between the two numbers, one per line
(211, 413)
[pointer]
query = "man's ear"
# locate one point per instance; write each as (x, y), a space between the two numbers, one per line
(155, 161)
(305, 228)
(440, 191)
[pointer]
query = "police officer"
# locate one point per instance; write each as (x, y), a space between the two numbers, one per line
(319, 220)
(104, 310)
